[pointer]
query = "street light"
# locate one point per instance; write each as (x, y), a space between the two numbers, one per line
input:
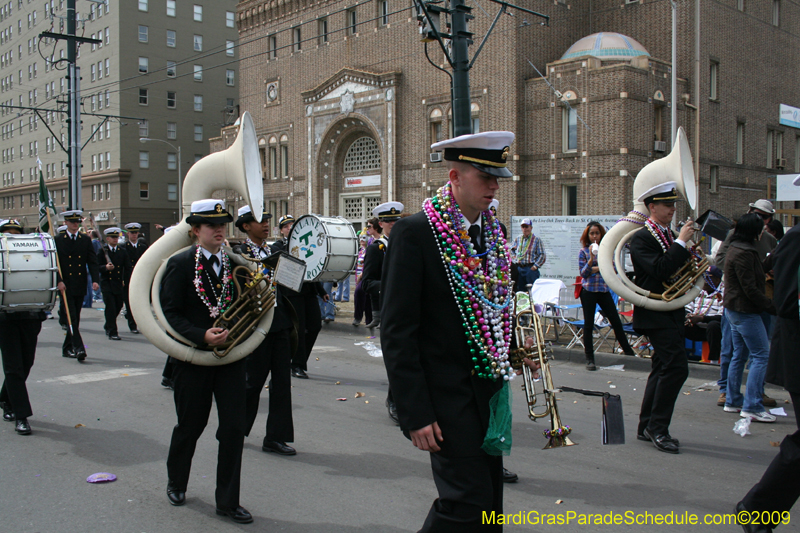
(180, 185)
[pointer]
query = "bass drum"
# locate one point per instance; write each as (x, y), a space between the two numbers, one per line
(28, 272)
(327, 245)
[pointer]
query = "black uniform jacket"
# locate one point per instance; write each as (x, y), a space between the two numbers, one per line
(73, 256)
(424, 346)
(653, 267)
(309, 287)
(784, 356)
(280, 319)
(182, 306)
(115, 280)
(373, 260)
(135, 252)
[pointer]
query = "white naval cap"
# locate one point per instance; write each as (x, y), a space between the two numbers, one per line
(112, 232)
(663, 192)
(73, 215)
(62, 228)
(134, 226)
(486, 151)
(209, 211)
(388, 211)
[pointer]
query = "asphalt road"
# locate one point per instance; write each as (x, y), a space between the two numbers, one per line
(354, 471)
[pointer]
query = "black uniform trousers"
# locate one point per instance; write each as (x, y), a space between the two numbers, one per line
(18, 346)
(669, 370)
(589, 302)
(128, 313)
(309, 324)
(373, 290)
(467, 487)
(73, 341)
(195, 386)
(272, 356)
(113, 302)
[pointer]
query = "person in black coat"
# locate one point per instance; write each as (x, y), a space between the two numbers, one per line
(779, 487)
(135, 248)
(306, 307)
(444, 366)
(387, 214)
(274, 355)
(75, 252)
(656, 256)
(197, 287)
(114, 278)
(19, 332)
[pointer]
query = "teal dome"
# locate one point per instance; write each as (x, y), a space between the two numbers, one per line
(606, 46)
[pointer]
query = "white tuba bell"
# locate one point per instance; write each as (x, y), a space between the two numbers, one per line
(237, 168)
(677, 167)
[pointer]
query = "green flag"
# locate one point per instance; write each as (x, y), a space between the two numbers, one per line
(45, 203)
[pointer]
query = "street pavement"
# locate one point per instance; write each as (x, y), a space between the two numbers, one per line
(354, 472)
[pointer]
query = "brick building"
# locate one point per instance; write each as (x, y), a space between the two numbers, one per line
(346, 103)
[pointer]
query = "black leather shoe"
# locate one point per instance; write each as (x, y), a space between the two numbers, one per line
(299, 372)
(22, 427)
(751, 528)
(81, 356)
(8, 414)
(69, 353)
(281, 448)
(168, 383)
(375, 323)
(642, 436)
(114, 337)
(509, 476)
(240, 515)
(662, 443)
(590, 364)
(390, 405)
(135, 331)
(175, 495)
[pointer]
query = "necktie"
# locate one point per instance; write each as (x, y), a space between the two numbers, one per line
(474, 235)
(214, 260)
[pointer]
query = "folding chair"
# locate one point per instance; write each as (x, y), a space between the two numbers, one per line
(569, 312)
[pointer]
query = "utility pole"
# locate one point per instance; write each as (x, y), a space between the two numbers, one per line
(455, 46)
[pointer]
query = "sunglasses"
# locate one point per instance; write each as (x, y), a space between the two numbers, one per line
(764, 216)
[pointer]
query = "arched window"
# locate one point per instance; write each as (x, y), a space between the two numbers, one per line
(363, 155)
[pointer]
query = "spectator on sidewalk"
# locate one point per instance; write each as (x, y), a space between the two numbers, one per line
(704, 315)
(363, 306)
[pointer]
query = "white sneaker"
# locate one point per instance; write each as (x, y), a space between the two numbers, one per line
(731, 409)
(763, 416)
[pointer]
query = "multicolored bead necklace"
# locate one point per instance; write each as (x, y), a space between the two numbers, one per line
(480, 283)
(224, 298)
(665, 240)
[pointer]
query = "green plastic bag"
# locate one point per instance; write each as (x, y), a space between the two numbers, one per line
(498, 436)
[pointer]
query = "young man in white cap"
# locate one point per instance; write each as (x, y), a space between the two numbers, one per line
(196, 289)
(75, 254)
(273, 357)
(446, 330)
(387, 214)
(114, 278)
(656, 255)
(135, 247)
(528, 255)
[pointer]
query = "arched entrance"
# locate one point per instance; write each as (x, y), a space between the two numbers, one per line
(360, 189)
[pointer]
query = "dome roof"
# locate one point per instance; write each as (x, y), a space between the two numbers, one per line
(606, 46)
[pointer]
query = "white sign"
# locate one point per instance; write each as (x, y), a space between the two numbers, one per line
(561, 240)
(363, 181)
(786, 192)
(790, 116)
(102, 215)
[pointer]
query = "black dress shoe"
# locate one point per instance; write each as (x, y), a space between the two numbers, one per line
(8, 414)
(299, 372)
(509, 476)
(135, 331)
(69, 353)
(168, 383)
(281, 448)
(751, 528)
(175, 495)
(590, 364)
(375, 323)
(662, 443)
(642, 436)
(238, 515)
(81, 356)
(114, 337)
(22, 427)
(390, 405)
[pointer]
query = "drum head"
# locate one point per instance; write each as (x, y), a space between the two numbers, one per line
(27, 272)
(327, 245)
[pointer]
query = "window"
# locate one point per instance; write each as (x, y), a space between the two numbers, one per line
(142, 6)
(108, 40)
(198, 102)
(351, 21)
(172, 130)
(285, 160)
(273, 47)
(713, 178)
(172, 192)
(713, 90)
(198, 133)
(569, 129)
(171, 38)
(172, 161)
(143, 65)
(437, 128)
(143, 31)
(198, 43)
(779, 149)
(170, 8)
(569, 200)
(144, 159)
(172, 99)
(776, 13)
(770, 140)
(297, 44)
(142, 96)
(144, 128)
(384, 12)
(230, 77)
(198, 13)
(107, 63)
(658, 123)
(198, 73)
(172, 69)
(144, 191)
(229, 20)
(273, 162)
(740, 143)
(108, 165)
(94, 72)
(230, 48)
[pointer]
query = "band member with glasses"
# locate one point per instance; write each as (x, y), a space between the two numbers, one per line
(115, 276)
(135, 247)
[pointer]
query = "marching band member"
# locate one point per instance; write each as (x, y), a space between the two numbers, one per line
(114, 278)
(274, 354)
(445, 337)
(197, 288)
(656, 256)
(135, 249)
(18, 335)
(75, 253)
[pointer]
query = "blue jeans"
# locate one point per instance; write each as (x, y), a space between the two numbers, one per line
(326, 308)
(343, 292)
(749, 334)
(527, 277)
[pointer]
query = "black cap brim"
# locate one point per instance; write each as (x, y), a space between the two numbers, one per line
(498, 172)
(200, 219)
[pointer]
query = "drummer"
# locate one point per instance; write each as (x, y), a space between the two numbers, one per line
(19, 331)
